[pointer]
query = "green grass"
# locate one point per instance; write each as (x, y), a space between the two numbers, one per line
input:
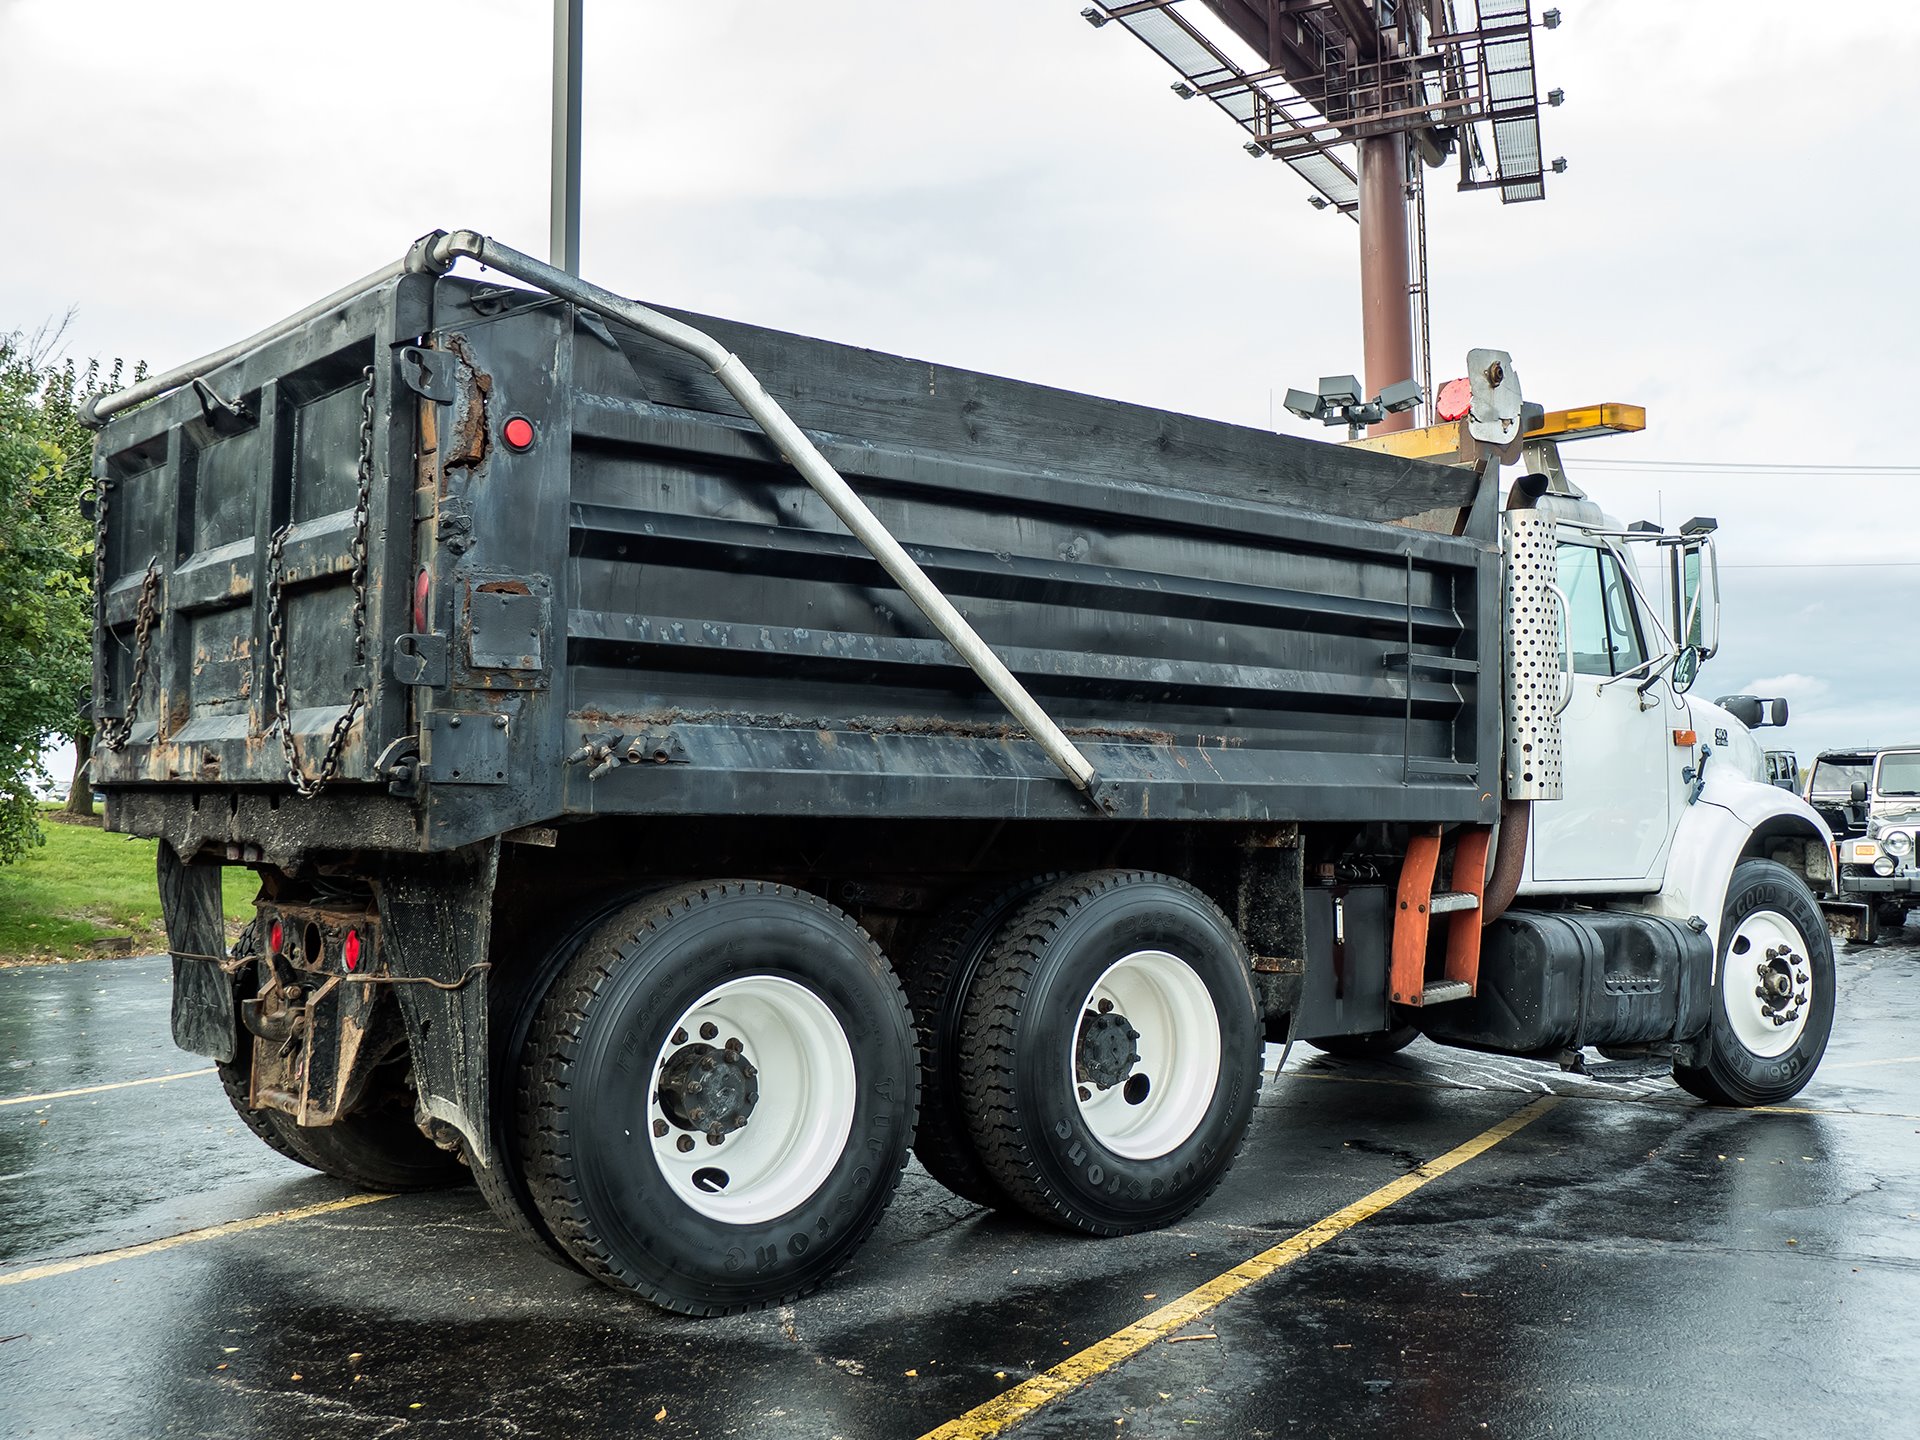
(85, 885)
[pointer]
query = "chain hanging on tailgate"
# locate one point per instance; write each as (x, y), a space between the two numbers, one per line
(306, 786)
(112, 733)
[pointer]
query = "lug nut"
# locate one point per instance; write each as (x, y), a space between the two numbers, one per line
(659, 1129)
(734, 1044)
(685, 1143)
(679, 1037)
(1085, 1093)
(1761, 991)
(1106, 1006)
(708, 1030)
(714, 1137)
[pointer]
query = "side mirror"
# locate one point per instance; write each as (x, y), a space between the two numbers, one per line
(1858, 794)
(1744, 708)
(1695, 592)
(1777, 712)
(1686, 670)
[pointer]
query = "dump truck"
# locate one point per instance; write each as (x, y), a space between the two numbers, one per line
(680, 767)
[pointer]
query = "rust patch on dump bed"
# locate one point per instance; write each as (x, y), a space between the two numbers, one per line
(467, 439)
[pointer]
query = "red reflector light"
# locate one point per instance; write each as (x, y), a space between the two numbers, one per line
(1454, 400)
(350, 950)
(421, 589)
(518, 433)
(274, 936)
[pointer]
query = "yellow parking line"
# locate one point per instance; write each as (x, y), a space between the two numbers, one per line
(190, 1237)
(96, 1089)
(1013, 1406)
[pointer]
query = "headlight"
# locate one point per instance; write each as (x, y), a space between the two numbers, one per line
(1883, 866)
(1897, 843)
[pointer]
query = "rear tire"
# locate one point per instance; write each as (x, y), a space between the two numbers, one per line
(739, 1009)
(1772, 938)
(1370, 1046)
(377, 1147)
(939, 980)
(1111, 1052)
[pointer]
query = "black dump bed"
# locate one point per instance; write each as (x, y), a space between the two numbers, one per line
(1230, 624)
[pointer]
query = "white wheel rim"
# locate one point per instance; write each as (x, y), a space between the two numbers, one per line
(796, 1130)
(1164, 1095)
(1767, 985)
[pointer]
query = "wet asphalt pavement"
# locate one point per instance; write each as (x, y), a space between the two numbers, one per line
(1629, 1263)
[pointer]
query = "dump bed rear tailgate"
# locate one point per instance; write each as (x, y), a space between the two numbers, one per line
(194, 490)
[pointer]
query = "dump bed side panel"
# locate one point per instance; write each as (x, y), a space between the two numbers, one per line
(714, 629)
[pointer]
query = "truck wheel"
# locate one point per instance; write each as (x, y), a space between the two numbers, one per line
(1110, 1052)
(723, 1091)
(377, 1147)
(939, 979)
(503, 1184)
(1775, 994)
(1369, 1046)
(1891, 917)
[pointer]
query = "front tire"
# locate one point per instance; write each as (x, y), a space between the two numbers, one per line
(723, 1091)
(1111, 1052)
(1774, 995)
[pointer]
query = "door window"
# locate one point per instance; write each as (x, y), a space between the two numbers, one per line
(1600, 612)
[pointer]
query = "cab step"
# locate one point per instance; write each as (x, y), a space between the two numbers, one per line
(1446, 902)
(1439, 992)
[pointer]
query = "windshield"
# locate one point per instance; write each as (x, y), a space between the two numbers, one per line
(1838, 777)
(1900, 773)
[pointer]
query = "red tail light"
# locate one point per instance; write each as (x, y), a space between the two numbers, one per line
(350, 949)
(274, 937)
(421, 588)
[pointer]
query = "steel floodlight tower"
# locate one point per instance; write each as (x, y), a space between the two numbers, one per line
(1353, 95)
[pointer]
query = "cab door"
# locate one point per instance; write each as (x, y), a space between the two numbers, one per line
(1609, 830)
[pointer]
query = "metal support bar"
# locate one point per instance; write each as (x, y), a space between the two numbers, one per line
(801, 453)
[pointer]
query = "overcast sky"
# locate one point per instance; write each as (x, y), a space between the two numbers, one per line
(997, 185)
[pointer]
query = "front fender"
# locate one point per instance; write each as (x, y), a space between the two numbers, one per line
(1718, 831)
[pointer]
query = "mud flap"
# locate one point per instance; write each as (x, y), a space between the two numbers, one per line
(436, 912)
(206, 1003)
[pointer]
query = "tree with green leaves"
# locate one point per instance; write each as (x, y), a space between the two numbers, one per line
(46, 571)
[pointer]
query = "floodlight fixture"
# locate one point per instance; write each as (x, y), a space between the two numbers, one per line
(1303, 403)
(1340, 389)
(1338, 402)
(1550, 18)
(1401, 395)
(1560, 165)
(1183, 90)
(1254, 148)
(1556, 96)
(1094, 17)
(1318, 202)
(1699, 526)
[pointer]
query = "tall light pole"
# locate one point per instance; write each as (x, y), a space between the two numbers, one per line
(564, 251)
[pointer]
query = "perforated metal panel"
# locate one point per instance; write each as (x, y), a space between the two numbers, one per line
(1534, 674)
